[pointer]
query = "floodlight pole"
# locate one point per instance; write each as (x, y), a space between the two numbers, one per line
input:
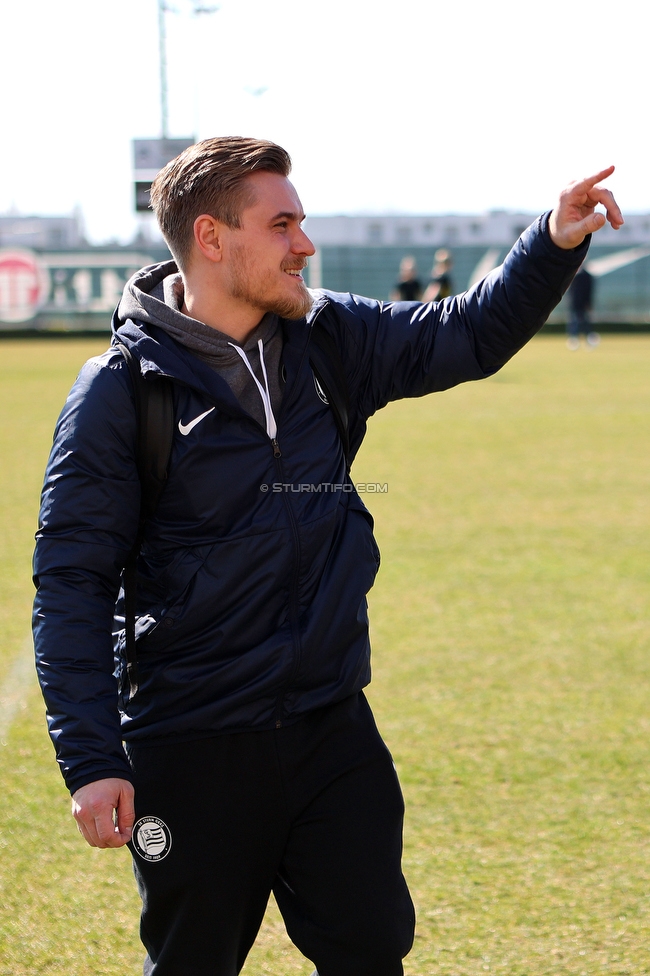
(162, 49)
(162, 52)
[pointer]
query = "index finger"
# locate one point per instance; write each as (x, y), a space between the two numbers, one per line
(590, 181)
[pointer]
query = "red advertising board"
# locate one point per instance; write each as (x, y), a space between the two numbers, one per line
(24, 285)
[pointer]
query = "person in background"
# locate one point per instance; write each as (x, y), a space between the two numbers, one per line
(409, 287)
(581, 297)
(440, 284)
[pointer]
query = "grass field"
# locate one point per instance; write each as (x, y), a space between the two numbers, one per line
(511, 677)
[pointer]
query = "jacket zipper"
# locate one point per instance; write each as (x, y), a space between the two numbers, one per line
(293, 592)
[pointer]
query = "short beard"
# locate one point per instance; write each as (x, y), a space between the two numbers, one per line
(246, 288)
(292, 309)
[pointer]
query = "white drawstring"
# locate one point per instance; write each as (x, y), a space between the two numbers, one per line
(271, 426)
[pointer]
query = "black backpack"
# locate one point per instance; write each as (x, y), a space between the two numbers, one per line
(154, 408)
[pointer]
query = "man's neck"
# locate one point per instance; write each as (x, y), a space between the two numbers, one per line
(232, 317)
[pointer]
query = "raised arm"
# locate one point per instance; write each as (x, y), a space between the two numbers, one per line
(400, 349)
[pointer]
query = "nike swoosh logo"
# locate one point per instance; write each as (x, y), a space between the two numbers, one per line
(186, 428)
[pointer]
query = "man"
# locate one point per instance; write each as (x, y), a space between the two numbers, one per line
(250, 751)
(581, 297)
(440, 285)
(408, 287)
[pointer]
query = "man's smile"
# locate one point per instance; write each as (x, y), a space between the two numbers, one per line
(295, 272)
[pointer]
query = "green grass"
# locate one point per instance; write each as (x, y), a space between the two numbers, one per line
(510, 630)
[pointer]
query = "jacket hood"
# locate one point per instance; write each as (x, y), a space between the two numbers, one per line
(144, 319)
(152, 296)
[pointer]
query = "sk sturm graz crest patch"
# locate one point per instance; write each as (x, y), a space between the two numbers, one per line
(152, 838)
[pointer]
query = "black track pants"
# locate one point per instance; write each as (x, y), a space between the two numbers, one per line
(312, 811)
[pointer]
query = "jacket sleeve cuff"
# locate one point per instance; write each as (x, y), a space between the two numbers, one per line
(75, 783)
(552, 248)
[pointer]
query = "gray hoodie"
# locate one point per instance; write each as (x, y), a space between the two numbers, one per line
(155, 295)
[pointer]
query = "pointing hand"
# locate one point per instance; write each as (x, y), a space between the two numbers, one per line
(574, 217)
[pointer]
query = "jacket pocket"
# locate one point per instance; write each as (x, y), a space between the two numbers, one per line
(164, 581)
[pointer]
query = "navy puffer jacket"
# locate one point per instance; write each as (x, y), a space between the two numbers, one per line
(251, 602)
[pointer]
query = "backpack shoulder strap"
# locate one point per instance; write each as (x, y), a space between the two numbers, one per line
(154, 413)
(327, 364)
(154, 409)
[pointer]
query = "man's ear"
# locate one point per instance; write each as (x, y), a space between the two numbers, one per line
(208, 234)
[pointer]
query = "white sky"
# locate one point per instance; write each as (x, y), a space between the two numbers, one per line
(410, 106)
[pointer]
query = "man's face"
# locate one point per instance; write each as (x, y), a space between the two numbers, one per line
(267, 253)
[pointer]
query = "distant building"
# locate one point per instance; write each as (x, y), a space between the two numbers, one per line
(41, 233)
(497, 227)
